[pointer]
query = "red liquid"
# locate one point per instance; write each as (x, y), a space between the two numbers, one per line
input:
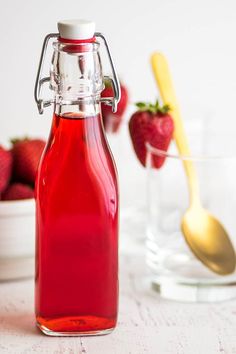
(77, 230)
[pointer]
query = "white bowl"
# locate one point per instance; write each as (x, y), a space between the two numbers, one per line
(17, 238)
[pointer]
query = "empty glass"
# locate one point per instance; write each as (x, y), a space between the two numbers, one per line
(175, 272)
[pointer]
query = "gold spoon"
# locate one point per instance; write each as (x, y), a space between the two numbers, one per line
(204, 234)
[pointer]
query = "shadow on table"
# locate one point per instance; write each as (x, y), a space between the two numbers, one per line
(23, 324)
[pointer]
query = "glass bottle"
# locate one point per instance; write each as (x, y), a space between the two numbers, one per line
(76, 291)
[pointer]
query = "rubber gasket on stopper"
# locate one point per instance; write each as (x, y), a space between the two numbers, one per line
(77, 41)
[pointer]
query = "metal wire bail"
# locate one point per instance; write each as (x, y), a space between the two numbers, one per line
(112, 101)
(39, 80)
(41, 103)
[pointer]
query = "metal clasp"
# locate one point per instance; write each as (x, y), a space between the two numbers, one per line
(111, 101)
(41, 81)
(41, 103)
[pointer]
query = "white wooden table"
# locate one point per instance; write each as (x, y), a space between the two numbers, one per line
(147, 324)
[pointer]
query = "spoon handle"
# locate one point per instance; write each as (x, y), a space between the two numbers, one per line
(165, 85)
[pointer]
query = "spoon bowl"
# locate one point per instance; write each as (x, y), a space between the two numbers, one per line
(208, 240)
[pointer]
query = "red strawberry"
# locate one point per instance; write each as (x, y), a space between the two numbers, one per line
(18, 191)
(112, 120)
(5, 168)
(152, 124)
(26, 156)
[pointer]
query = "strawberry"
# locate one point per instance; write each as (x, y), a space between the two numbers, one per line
(152, 124)
(18, 191)
(5, 168)
(26, 156)
(112, 120)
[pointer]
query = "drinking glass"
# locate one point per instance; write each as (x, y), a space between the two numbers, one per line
(174, 270)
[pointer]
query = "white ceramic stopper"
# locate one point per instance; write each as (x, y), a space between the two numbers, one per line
(76, 29)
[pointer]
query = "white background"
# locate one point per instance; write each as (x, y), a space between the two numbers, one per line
(198, 37)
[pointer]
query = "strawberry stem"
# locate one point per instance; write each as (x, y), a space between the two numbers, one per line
(17, 140)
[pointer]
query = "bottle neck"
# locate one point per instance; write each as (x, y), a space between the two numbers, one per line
(71, 126)
(76, 77)
(83, 108)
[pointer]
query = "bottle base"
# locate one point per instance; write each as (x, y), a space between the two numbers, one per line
(75, 326)
(51, 333)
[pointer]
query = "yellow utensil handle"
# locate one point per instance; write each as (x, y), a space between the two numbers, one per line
(167, 92)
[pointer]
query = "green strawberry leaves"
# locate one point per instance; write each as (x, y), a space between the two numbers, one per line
(153, 108)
